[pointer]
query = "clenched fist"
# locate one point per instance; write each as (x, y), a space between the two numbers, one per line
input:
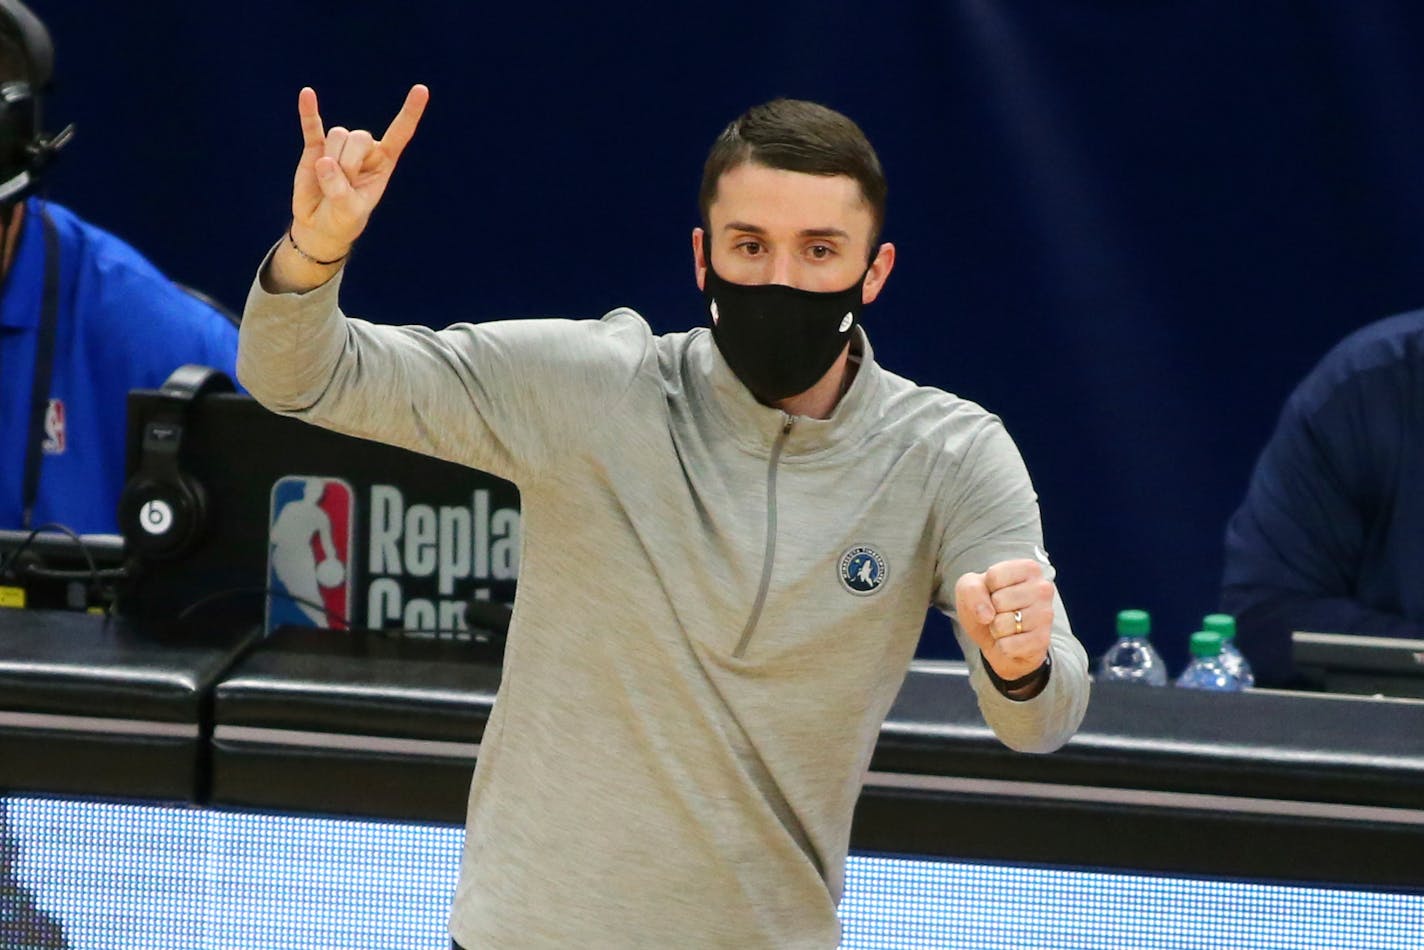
(1008, 612)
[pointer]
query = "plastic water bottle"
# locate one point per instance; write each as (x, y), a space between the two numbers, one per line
(1132, 658)
(1206, 671)
(1231, 656)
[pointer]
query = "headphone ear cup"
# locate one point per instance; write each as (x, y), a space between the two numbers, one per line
(18, 133)
(161, 518)
(163, 510)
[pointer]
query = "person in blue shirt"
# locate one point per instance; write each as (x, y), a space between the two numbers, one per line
(1330, 537)
(84, 318)
(117, 323)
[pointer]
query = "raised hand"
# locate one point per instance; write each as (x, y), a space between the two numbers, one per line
(1008, 612)
(340, 179)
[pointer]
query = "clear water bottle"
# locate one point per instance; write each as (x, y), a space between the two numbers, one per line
(1231, 656)
(1206, 671)
(1132, 658)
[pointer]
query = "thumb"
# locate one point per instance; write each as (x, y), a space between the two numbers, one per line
(331, 179)
(340, 216)
(974, 609)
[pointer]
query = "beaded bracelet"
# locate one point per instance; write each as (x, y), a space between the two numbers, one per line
(305, 256)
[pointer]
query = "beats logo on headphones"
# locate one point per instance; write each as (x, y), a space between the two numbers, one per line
(156, 517)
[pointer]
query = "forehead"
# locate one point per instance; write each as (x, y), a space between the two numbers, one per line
(775, 199)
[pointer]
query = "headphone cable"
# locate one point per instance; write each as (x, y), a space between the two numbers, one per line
(93, 572)
(268, 592)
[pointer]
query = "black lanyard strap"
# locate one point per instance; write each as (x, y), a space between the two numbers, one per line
(44, 367)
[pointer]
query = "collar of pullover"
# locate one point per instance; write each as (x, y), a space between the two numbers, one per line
(757, 427)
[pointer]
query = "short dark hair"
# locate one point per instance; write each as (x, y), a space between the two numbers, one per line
(22, 36)
(14, 64)
(798, 136)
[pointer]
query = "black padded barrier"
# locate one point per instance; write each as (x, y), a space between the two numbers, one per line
(1270, 786)
(93, 707)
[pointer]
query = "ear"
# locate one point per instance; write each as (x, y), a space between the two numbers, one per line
(878, 273)
(699, 260)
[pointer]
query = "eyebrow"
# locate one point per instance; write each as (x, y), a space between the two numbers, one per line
(807, 232)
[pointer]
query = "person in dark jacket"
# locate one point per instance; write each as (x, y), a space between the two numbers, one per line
(1330, 537)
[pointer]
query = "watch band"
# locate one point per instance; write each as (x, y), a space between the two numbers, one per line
(1028, 679)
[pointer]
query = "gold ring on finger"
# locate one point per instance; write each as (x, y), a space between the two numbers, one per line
(1018, 621)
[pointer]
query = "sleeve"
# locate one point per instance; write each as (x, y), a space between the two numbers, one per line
(512, 398)
(1294, 548)
(989, 514)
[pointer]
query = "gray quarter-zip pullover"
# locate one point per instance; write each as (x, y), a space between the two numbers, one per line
(717, 604)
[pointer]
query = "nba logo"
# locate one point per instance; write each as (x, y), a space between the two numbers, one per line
(309, 553)
(55, 436)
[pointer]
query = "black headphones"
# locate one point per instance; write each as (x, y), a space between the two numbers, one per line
(163, 510)
(24, 149)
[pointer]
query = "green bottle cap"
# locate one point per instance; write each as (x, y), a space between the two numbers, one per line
(1206, 643)
(1224, 624)
(1133, 623)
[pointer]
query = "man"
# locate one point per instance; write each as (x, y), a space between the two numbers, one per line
(699, 661)
(84, 318)
(1330, 537)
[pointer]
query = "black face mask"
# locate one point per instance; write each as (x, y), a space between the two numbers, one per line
(779, 340)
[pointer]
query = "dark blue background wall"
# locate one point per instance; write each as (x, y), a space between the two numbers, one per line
(1126, 227)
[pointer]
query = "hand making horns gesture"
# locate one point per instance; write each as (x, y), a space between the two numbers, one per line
(342, 176)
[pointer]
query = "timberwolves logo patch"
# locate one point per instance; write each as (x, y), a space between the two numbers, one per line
(863, 570)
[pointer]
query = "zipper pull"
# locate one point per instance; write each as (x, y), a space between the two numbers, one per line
(786, 426)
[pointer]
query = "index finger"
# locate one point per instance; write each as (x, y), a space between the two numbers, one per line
(1008, 573)
(402, 127)
(312, 131)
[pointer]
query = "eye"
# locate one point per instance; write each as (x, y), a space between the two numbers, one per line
(821, 251)
(749, 248)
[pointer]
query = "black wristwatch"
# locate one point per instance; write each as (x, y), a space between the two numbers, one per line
(1028, 679)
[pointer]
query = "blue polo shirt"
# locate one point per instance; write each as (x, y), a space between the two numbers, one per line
(1330, 537)
(121, 325)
